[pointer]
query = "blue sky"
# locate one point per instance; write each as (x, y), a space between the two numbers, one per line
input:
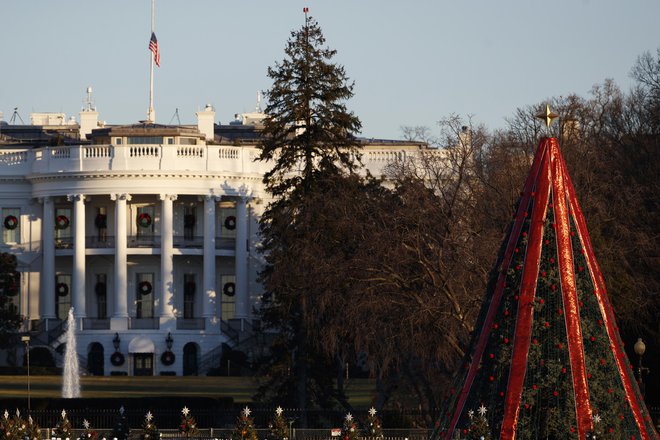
(413, 62)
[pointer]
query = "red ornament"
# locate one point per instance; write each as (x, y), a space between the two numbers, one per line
(609, 390)
(552, 261)
(563, 370)
(524, 234)
(491, 378)
(543, 274)
(526, 406)
(541, 301)
(592, 339)
(533, 194)
(553, 287)
(518, 267)
(506, 313)
(547, 324)
(492, 356)
(589, 376)
(560, 311)
(547, 241)
(560, 345)
(517, 250)
(506, 340)
(572, 429)
(572, 234)
(555, 393)
(525, 214)
(515, 297)
(496, 326)
(602, 361)
(600, 322)
(501, 393)
(534, 386)
(580, 268)
(535, 342)
(550, 205)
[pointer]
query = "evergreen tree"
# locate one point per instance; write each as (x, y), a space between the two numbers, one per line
(149, 428)
(374, 426)
(13, 428)
(88, 432)
(121, 429)
(349, 430)
(10, 318)
(308, 135)
(278, 428)
(188, 425)
(244, 429)
(63, 428)
(33, 430)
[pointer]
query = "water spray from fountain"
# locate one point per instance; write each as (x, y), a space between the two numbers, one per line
(71, 381)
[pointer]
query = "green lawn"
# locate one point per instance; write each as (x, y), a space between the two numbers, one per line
(241, 389)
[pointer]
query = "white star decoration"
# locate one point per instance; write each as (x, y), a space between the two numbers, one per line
(6, 414)
(597, 418)
(349, 417)
(18, 414)
(185, 411)
(30, 419)
(121, 410)
(279, 411)
(471, 413)
(372, 411)
(63, 414)
(246, 411)
(85, 424)
(482, 410)
(149, 416)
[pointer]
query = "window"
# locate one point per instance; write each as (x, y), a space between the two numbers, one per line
(101, 290)
(170, 141)
(11, 225)
(228, 302)
(189, 222)
(189, 288)
(142, 140)
(118, 141)
(101, 224)
(144, 295)
(144, 221)
(63, 298)
(227, 220)
(187, 141)
(63, 236)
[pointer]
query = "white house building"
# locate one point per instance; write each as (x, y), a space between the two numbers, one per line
(150, 232)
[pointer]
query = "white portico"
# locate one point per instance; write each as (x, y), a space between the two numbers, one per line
(150, 233)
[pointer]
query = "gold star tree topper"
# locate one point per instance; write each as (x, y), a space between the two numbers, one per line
(548, 116)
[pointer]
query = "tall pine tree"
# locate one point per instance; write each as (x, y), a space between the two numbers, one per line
(308, 135)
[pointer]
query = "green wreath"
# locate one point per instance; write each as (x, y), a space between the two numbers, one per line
(144, 220)
(11, 222)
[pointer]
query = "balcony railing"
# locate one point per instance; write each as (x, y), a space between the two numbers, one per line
(64, 243)
(95, 242)
(137, 241)
(182, 241)
(96, 324)
(143, 323)
(190, 323)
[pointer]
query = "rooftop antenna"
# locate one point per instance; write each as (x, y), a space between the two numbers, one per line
(175, 115)
(14, 116)
(89, 102)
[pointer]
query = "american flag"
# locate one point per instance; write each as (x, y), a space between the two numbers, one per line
(153, 47)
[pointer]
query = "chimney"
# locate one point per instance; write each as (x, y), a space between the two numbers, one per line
(89, 117)
(205, 121)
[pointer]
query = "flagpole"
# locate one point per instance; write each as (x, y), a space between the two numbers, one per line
(151, 114)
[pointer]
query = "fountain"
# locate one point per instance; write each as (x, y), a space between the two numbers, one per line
(71, 380)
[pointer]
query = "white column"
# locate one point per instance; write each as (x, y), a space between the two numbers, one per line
(210, 296)
(78, 269)
(120, 296)
(166, 257)
(47, 281)
(241, 261)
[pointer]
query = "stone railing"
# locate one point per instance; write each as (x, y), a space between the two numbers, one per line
(164, 158)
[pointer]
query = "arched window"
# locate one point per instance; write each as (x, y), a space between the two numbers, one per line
(190, 359)
(95, 359)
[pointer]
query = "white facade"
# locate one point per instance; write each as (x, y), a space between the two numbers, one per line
(152, 232)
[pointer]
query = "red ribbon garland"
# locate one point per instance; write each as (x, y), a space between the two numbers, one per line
(569, 294)
(605, 309)
(523, 333)
(499, 289)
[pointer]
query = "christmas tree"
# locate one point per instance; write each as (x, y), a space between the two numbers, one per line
(277, 428)
(188, 425)
(63, 428)
(14, 428)
(349, 430)
(374, 427)
(547, 361)
(244, 429)
(149, 429)
(33, 430)
(88, 433)
(121, 429)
